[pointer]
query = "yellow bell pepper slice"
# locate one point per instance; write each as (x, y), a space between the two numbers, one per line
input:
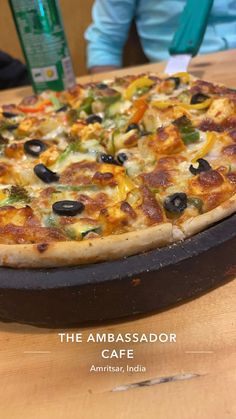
(124, 181)
(2, 195)
(125, 185)
(211, 138)
(198, 106)
(137, 84)
(163, 104)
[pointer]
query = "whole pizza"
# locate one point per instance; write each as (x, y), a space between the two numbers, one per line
(110, 169)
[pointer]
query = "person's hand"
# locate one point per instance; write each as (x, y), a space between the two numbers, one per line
(102, 69)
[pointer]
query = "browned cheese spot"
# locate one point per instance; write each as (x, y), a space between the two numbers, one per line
(104, 179)
(150, 206)
(210, 179)
(230, 150)
(157, 178)
(209, 125)
(232, 134)
(232, 177)
(126, 208)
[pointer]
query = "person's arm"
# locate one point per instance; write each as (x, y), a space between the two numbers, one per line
(108, 33)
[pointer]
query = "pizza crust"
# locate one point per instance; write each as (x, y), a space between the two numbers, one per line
(203, 221)
(71, 253)
(52, 255)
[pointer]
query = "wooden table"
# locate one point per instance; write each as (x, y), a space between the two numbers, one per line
(193, 378)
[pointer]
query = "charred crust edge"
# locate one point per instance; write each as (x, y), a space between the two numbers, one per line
(42, 247)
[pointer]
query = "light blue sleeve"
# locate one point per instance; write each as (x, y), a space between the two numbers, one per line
(107, 34)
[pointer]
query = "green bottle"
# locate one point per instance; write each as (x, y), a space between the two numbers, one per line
(42, 37)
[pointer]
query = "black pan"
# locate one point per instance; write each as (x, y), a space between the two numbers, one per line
(110, 290)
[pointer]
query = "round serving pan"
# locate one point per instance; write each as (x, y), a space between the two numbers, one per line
(110, 290)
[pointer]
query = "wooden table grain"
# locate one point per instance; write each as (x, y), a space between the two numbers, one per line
(192, 378)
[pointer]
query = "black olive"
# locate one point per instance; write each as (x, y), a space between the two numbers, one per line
(176, 203)
(121, 157)
(93, 118)
(34, 147)
(132, 126)
(3, 140)
(176, 81)
(182, 122)
(68, 208)
(198, 98)
(12, 127)
(45, 174)
(9, 114)
(203, 166)
(101, 86)
(107, 158)
(62, 109)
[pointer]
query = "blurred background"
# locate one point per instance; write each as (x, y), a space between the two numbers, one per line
(76, 15)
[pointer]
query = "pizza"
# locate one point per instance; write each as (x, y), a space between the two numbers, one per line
(111, 169)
